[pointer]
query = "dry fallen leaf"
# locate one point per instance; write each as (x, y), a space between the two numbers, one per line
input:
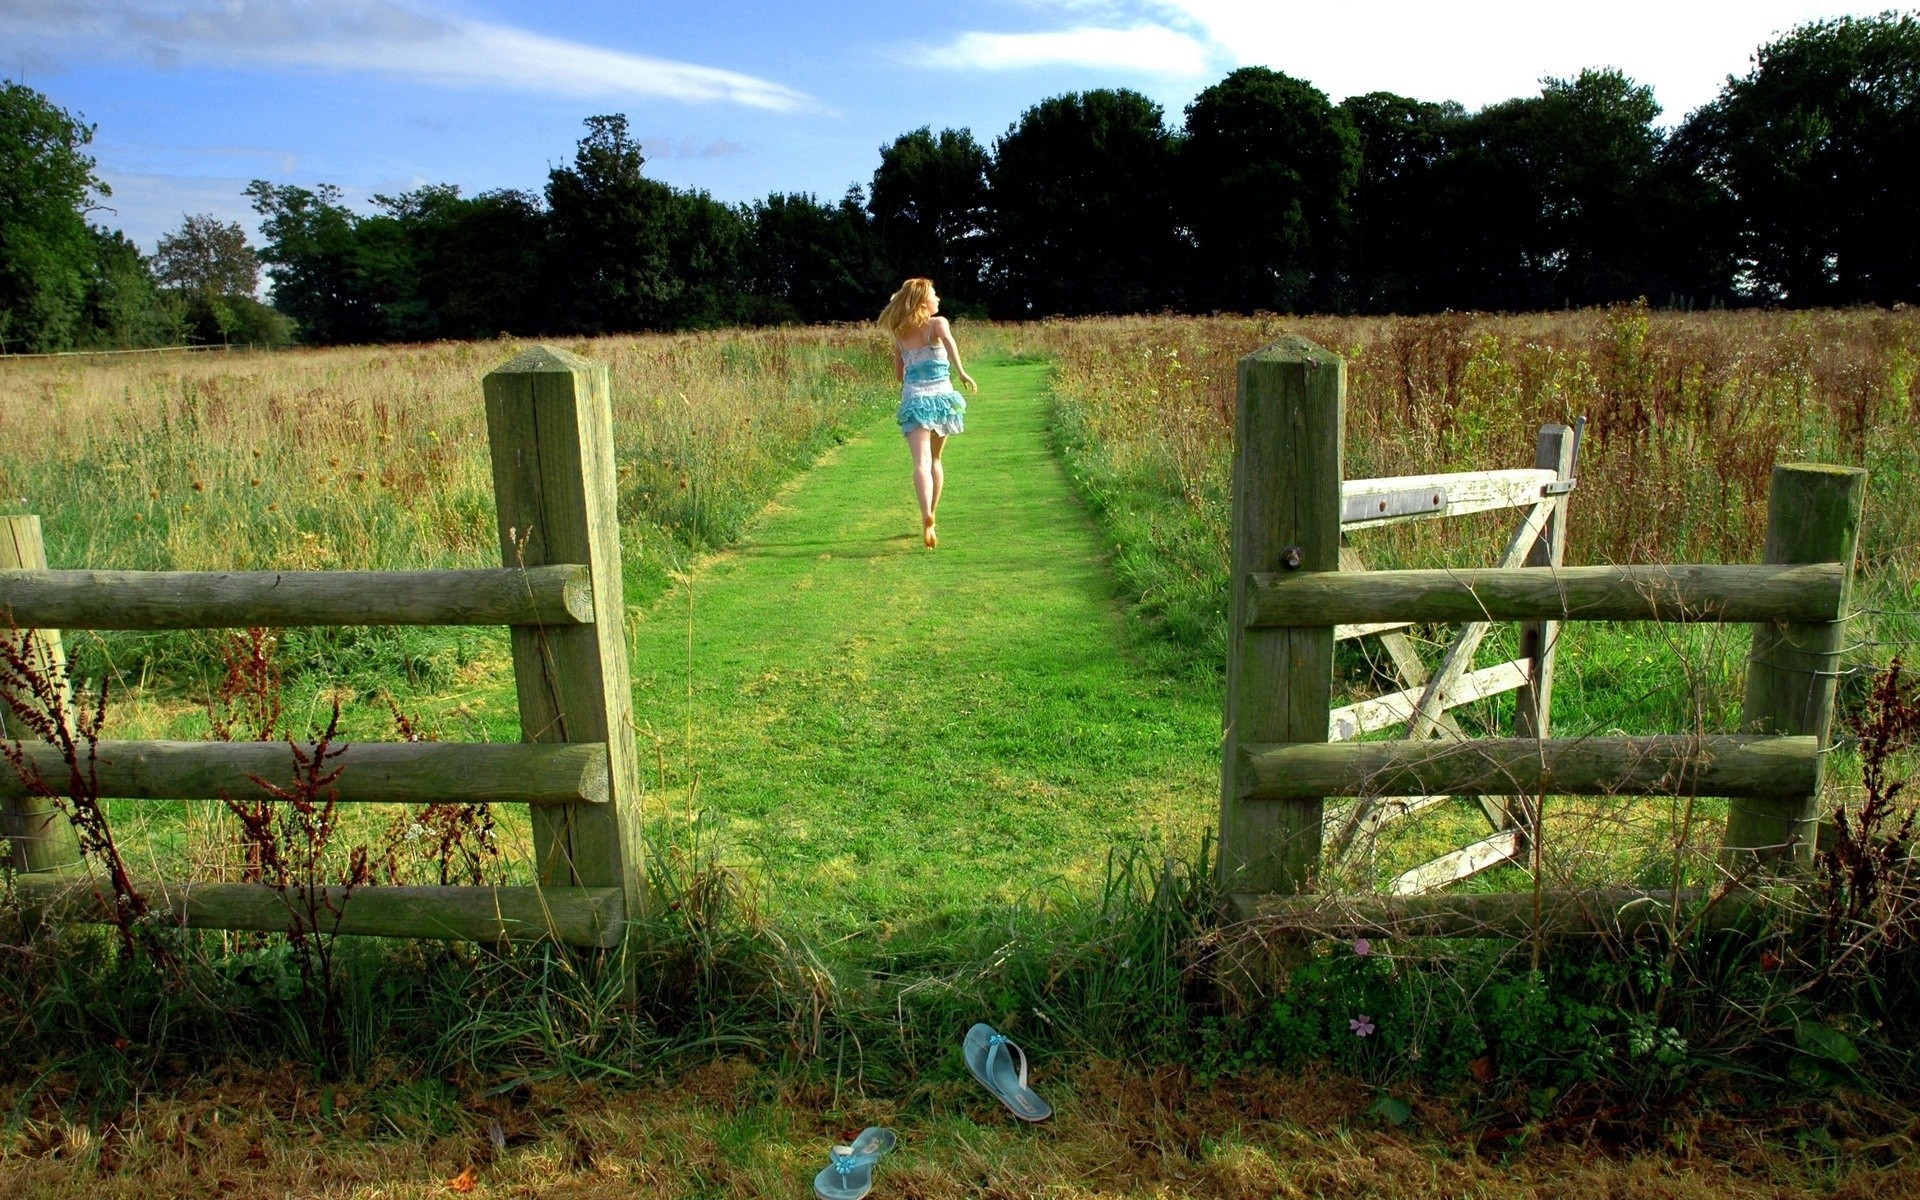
(464, 1181)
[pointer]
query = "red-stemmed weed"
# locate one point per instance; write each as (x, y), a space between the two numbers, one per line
(34, 688)
(1869, 893)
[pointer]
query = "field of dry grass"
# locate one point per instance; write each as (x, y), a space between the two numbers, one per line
(1688, 413)
(376, 458)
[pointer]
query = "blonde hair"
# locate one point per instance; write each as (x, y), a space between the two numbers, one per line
(910, 308)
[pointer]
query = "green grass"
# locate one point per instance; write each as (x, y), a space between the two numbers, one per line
(889, 735)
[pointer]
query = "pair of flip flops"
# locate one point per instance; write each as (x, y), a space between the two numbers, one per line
(994, 1059)
(990, 1056)
(848, 1174)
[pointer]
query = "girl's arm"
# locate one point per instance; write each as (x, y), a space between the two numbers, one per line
(899, 365)
(944, 331)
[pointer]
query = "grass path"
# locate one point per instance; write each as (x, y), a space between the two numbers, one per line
(887, 734)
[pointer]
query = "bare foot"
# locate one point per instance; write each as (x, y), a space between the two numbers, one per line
(931, 538)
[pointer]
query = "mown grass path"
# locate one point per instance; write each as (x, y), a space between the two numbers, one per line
(888, 734)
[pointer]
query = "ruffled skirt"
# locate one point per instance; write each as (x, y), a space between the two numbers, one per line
(942, 412)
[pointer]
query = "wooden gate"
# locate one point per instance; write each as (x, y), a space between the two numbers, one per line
(1287, 751)
(1421, 708)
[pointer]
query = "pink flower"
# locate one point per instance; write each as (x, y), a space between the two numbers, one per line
(1361, 1025)
(1362, 947)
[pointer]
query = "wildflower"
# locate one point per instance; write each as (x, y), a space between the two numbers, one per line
(1362, 947)
(1362, 1025)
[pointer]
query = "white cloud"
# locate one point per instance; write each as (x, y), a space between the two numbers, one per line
(660, 146)
(1143, 47)
(386, 37)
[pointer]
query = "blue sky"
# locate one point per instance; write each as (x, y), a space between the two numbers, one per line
(193, 98)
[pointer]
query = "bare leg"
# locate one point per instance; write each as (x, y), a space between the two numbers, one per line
(920, 447)
(939, 476)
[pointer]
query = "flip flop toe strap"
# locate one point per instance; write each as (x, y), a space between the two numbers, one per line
(845, 1162)
(999, 1043)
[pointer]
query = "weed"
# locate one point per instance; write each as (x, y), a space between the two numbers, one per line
(33, 686)
(450, 842)
(1868, 893)
(288, 836)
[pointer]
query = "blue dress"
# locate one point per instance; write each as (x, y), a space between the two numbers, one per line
(927, 398)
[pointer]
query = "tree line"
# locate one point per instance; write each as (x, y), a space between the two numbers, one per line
(1794, 186)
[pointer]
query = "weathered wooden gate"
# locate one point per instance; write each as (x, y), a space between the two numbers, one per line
(1422, 707)
(1293, 596)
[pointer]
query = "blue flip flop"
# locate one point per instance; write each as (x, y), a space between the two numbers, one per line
(848, 1174)
(990, 1057)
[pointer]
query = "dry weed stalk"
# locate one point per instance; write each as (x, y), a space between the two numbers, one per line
(1869, 895)
(288, 836)
(34, 688)
(246, 706)
(460, 841)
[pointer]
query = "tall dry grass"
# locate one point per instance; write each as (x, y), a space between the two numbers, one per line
(376, 458)
(1688, 414)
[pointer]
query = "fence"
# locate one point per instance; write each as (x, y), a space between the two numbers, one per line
(1296, 591)
(550, 433)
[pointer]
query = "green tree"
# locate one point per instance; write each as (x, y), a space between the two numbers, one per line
(1551, 200)
(1083, 211)
(311, 258)
(214, 273)
(929, 206)
(478, 262)
(709, 248)
(1812, 156)
(1267, 166)
(1393, 235)
(125, 307)
(814, 261)
(208, 256)
(48, 254)
(612, 232)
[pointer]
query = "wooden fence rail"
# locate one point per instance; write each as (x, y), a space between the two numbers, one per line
(579, 916)
(1769, 592)
(1583, 912)
(370, 772)
(1656, 765)
(550, 433)
(558, 595)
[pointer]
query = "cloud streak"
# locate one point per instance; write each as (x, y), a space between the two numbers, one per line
(382, 37)
(1146, 47)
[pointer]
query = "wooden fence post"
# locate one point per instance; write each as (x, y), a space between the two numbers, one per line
(1539, 640)
(1290, 430)
(550, 427)
(42, 838)
(1813, 516)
